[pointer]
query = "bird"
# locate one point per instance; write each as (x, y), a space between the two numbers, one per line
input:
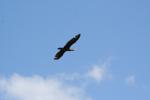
(67, 46)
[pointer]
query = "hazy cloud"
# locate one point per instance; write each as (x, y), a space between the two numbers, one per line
(130, 80)
(97, 73)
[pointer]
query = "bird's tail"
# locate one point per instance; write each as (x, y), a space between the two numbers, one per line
(59, 48)
(71, 50)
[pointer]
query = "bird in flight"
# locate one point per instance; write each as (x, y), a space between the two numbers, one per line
(67, 46)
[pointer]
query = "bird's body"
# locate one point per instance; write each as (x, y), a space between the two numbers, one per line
(61, 51)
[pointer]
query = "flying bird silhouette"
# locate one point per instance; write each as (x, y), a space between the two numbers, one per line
(61, 51)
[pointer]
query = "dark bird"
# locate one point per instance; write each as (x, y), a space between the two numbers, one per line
(61, 51)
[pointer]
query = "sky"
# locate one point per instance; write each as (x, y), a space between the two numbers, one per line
(110, 61)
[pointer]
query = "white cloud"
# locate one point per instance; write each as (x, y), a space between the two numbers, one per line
(59, 87)
(99, 72)
(130, 80)
(38, 88)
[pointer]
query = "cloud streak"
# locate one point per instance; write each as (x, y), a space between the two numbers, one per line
(97, 73)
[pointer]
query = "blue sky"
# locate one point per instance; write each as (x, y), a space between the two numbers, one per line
(114, 33)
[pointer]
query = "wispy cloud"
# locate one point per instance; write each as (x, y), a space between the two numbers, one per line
(97, 73)
(18, 87)
(130, 80)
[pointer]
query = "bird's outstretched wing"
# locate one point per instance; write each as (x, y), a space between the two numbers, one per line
(72, 41)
